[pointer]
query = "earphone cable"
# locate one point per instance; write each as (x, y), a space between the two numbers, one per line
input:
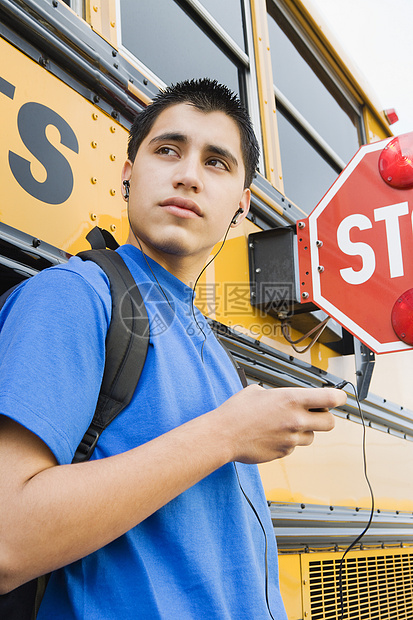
(195, 285)
(267, 600)
(360, 536)
(147, 262)
(196, 281)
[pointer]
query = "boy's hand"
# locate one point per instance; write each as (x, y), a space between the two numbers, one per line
(266, 424)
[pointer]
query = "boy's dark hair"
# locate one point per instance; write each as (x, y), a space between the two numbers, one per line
(208, 96)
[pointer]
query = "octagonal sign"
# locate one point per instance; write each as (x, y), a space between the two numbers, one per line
(356, 247)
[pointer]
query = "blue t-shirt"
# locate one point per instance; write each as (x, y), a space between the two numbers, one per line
(203, 554)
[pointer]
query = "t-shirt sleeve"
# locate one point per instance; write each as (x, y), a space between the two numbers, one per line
(52, 354)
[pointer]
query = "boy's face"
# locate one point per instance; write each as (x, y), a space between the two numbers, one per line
(186, 184)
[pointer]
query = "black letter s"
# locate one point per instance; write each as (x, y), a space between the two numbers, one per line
(32, 120)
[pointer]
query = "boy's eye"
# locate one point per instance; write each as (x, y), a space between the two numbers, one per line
(166, 150)
(217, 163)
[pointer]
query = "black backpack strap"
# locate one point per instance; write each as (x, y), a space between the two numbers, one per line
(126, 347)
(99, 239)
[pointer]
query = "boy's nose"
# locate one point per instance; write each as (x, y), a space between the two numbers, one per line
(188, 174)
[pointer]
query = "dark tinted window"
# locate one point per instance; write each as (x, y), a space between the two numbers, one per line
(166, 39)
(299, 83)
(307, 176)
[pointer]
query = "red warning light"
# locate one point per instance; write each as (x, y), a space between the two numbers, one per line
(402, 317)
(391, 116)
(396, 162)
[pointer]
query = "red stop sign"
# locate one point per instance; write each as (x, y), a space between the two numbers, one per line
(356, 247)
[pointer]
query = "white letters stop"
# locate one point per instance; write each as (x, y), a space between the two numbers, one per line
(390, 215)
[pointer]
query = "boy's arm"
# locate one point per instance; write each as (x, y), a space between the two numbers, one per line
(52, 515)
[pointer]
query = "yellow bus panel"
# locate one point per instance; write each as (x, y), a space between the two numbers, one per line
(82, 151)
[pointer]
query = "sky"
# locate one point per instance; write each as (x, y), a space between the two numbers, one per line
(377, 37)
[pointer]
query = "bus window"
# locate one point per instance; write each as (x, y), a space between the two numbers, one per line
(173, 43)
(229, 15)
(319, 108)
(307, 175)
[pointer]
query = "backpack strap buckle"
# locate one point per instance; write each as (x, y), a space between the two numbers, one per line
(87, 445)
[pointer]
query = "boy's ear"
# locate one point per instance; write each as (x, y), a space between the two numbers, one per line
(126, 174)
(127, 170)
(243, 208)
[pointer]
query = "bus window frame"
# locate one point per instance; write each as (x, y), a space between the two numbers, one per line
(212, 29)
(313, 56)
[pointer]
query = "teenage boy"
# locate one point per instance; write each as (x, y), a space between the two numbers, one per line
(156, 525)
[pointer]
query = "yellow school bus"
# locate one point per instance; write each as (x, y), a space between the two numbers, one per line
(74, 74)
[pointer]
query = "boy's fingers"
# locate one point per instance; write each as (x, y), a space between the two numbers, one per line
(322, 399)
(323, 421)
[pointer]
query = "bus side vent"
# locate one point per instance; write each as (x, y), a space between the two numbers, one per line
(375, 587)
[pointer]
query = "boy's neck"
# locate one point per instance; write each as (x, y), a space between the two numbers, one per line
(185, 268)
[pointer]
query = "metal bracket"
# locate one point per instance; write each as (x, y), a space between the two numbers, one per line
(365, 360)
